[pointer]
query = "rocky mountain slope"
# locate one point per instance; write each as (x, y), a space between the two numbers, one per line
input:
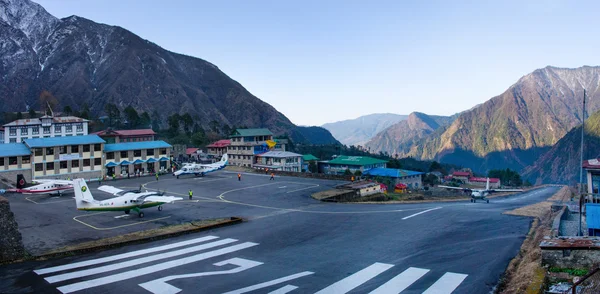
(80, 61)
(561, 163)
(360, 130)
(517, 127)
(404, 134)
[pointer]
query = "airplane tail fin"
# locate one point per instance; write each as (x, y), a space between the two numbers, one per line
(487, 184)
(21, 181)
(225, 159)
(82, 192)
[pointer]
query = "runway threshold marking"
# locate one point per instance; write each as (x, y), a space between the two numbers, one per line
(112, 228)
(347, 284)
(402, 281)
(418, 213)
(446, 284)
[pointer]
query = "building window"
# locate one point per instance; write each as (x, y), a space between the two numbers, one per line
(97, 147)
(12, 131)
(38, 152)
(123, 154)
(35, 130)
(39, 167)
(86, 162)
(68, 128)
(25, 159)
(86, 148)
(12, 160)
(13, 140)
(63, 164)
(50, 151)
(74, 163)
(137, 153)
(163, 151)
(97, 161)
(79, 127)
(46, 130)
(75, 149)
(150, 152)
(49, 165)
(110, 155)
(62, 150)
(57, 129)
(24, 131)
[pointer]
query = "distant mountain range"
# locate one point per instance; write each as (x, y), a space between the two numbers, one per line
(360, 130)
(402, 135)
(83, 62)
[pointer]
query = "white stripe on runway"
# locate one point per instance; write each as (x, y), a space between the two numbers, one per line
(152, 269)
(357, 279)
(284, 289)
(424, 211)
(270, 283)
(446, 284)
(402, 281)
(134, 262)
(121, 256)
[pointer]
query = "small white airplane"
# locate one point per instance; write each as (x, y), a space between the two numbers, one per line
(125, 201)
(52, 187)
(198, 169)
(481, 193)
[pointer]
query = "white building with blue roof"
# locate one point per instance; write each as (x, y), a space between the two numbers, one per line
(136, 158)
(15, 159)
(67, 157)
(411, 179)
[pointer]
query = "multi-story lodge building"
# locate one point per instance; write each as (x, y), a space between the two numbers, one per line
(44, 127)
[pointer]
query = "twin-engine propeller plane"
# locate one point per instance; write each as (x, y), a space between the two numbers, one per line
(198, 169)
(481, 194)
(51, 187)
(125, 201)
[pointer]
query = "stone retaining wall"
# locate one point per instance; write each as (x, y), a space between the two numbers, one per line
(11, 243)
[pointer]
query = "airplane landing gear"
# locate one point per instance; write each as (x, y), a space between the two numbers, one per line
(160, 208)
(127, 211)
(141, 214)
(178, 177)
(487, 200)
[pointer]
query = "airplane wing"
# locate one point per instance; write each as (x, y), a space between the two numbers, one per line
(164, 199)
(454, 188)
(506, 190)
(110, 189)
(62, 182)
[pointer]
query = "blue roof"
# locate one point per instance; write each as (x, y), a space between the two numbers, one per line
(391, 172)
(63, 141)
(135, 146)
(111, 164)
(151, 160)
(592, 211)
(14, 149)
(138, 161)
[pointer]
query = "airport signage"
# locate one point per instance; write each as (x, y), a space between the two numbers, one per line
(69, 156)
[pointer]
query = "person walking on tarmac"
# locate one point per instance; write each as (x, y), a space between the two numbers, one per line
(352, 179)
(267, 171)
(114, 177)
(239, 176)
(156, 176)
(191, 194)
(272, 177)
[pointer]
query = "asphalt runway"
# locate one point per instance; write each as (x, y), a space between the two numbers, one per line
(290, 243)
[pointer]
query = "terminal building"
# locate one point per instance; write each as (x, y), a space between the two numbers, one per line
(136, 158)
(44, 127)
(15, 159)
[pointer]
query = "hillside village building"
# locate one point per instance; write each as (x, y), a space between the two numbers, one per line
(217, 149)
(412, 179)
(340, 164)
(245, 144)
(124, 136)
(44, 127)
(279, 160)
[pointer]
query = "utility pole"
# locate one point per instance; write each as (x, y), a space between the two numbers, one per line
(581, 200)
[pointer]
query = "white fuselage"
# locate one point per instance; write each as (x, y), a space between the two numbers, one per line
(46, 188)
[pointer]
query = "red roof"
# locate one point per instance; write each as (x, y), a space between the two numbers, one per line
(189, 151)
(591, 163)
(125, 133)
(461, 174)
(220, 144)
(484, 180)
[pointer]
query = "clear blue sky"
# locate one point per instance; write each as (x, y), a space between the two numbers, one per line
(323, 61)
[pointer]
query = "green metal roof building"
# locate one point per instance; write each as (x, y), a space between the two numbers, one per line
(341, 163)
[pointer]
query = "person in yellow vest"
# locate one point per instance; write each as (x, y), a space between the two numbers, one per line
(156, 176)
(239, 176)
(114, 177)
(352, 179)
(191, 194)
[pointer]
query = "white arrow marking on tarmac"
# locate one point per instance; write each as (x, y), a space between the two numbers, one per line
(152, 269)
(269, 283)
(357, 279)
(121, 256)
(282, 187)
(446, 284)
(134, 262)
(424, 211)
(120, 216)
(402, 281)
(161, 286)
